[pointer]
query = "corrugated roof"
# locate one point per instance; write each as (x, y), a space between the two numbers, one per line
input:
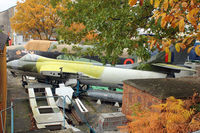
(3, 40)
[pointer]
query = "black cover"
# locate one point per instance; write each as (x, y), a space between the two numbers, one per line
(3, 40)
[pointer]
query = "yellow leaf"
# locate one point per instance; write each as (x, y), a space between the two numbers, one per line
(181, 25)
(157, 3)
(198, 36)
(132, 2)
(189, 49)
(194, 11)
(163, 21)
(184, 4)
(192, 3)
(155, 13)
(151, 1)
(165, 4)
(199, 26)
(185, 39)
(171, 2)
(177, 47)
(174, 23)
(197, 50)
(189, 41)
(167, 50)
(191, 16)
(182, 45)
(152, 44)
(156, 19)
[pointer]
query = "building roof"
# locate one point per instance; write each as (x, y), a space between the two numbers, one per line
(164, 88)
(3, 40)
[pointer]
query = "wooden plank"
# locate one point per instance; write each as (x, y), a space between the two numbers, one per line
(80, 105)
(45, 119)
(49, 118)
(50, 98)
(33, 102)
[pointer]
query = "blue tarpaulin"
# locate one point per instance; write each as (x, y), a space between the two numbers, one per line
(193, 55)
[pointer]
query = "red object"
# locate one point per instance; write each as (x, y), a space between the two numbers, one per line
(125, 62)
(10, 42)
(166, 57)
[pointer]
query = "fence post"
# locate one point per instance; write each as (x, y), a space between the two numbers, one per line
(12, 118)
(2, 125)
(64, 111)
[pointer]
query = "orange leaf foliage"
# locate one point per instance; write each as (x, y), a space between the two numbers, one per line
(167, 50)
(181, 25)
(198, 36)
(90, 36)
(36, 18)
(171, 117)
(151, 2)
(156, 3)
(181, 14)
(76, 27)
(177, 47)
(132, 2)
(165, 5)
(189, 49)
(197, 50)
(153, 42)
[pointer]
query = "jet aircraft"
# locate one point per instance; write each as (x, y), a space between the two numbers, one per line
(87, 73)
(49, 70)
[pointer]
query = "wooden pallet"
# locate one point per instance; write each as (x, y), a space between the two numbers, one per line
(46, 116)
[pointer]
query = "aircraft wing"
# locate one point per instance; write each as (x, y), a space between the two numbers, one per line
(55, 70)
(175, 67)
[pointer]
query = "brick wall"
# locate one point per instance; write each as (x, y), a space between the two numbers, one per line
(132, 95)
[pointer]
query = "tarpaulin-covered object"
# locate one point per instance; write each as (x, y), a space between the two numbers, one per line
(3, 40)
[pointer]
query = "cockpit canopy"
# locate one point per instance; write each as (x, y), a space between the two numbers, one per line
(30, 57)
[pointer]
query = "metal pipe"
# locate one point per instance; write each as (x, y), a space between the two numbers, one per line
(12, 118)
(64, 113)
(110, 96)
(2, 122)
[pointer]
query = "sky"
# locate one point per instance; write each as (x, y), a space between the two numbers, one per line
(5, 4)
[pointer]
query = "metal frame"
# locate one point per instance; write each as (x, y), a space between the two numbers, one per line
(42, 97)
(12, 118)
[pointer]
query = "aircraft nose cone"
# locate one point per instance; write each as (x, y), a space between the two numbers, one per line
(12, 64)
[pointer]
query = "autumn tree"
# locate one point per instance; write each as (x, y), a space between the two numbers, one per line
(36, 18)
(183, 16)
(114, 25)
(117, 24)
(174, 116)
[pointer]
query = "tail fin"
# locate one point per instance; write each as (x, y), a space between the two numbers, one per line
(173, 57)
(170, 63)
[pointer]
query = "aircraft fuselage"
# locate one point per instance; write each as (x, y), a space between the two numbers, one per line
(41, 66)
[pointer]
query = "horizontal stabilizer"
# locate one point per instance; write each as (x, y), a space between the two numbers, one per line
(174, 67)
